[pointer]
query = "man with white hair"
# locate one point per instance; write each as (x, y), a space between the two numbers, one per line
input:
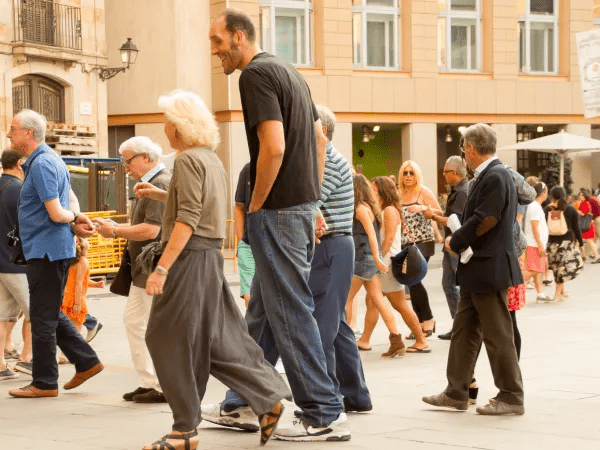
(142, 160)
(46, 228)
(455, 174)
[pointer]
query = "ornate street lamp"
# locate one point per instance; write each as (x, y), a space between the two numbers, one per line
(128, 56)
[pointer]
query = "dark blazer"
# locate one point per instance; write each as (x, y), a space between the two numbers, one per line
(487, 227)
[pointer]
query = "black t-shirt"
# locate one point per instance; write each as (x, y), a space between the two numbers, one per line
(272, 89)
(9, 214)
(243, 194)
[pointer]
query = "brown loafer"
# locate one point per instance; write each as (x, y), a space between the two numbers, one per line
(81, 377)
(31, 391)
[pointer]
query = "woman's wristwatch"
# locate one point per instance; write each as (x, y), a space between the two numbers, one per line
(161, 270)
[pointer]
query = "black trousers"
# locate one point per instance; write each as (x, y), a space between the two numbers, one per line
(420, 300)
(484, 316)
(50, 326)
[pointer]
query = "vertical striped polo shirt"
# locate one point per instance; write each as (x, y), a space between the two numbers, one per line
(337, 193)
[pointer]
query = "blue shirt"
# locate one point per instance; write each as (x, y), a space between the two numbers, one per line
(46, 179)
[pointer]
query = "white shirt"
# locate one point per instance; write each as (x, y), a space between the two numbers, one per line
(535, 212)
(482, 166)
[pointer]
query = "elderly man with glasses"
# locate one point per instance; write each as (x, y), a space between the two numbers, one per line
(141, 158)
(455, 174)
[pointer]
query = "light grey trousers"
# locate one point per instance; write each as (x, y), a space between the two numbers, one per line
(196, 330)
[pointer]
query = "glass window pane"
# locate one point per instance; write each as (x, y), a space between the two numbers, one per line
(357, 36)
(537, 50)
(522, 47)
(441, 42)
(474, 55)
(459, 42)
(463, 5)
(286, 38)
(390, 3)
(376, 44)
(541, 6)
(550, 49)
(391, 50)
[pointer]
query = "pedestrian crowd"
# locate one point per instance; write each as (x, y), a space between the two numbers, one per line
(311, 234)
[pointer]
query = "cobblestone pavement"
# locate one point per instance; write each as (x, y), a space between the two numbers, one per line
(560, 364)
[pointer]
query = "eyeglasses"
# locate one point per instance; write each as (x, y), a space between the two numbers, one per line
(408, 173)
(127, 162)
(447, 171)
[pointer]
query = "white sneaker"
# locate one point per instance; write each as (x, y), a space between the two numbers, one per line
(8, 374)
(543, 298)
(243, 417)
(299, 430)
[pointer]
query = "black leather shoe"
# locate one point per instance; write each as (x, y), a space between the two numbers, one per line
(129, 396)
(150, 397)
(348, 407)
(446, 336)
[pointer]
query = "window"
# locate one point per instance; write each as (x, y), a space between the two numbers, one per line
(48, 23)
(116, 136)
(287, 30)
(459, 35)
(40, 94)
(538, 37)
(375, 34)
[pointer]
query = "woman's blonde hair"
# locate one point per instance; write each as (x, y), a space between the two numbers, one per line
(192, 119)
(418, 176)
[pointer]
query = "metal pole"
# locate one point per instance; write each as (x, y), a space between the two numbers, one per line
(562, 168)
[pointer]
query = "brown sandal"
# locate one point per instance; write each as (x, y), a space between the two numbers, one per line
(266, 430)
(162, 443)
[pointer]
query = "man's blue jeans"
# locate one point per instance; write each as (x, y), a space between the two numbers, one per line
(281, 307)
(452, 291)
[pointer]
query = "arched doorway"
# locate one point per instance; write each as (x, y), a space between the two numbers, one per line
(41, 94)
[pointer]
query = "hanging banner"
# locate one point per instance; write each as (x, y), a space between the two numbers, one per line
(588, 50)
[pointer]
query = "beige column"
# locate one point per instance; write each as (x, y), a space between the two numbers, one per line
(419, 144)
(342, 139)
(506, 134)
(581, 169)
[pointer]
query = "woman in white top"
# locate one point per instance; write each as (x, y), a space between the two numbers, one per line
(389, 201)
(536, 233)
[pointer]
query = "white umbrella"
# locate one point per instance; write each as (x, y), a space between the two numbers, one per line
(561, 143)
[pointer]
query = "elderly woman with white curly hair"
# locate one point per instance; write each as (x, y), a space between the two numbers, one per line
(195, 327)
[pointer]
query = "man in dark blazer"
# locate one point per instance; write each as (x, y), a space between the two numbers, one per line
(487, 227)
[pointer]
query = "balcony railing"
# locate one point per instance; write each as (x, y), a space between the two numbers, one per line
(48, 23)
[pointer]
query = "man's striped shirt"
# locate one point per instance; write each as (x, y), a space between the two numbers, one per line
(337, 193)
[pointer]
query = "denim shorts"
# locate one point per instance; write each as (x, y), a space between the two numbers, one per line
(365, 269)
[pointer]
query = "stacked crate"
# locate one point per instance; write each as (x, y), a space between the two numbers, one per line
(105, 254)
(67, 139)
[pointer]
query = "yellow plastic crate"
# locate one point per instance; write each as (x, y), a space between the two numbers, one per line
(105, 254)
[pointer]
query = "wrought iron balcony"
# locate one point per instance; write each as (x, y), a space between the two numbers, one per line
(48, 23)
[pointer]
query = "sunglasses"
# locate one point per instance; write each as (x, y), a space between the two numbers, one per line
(408, 173)
(127, 162)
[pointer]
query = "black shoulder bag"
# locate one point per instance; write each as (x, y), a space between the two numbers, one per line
(14, 239)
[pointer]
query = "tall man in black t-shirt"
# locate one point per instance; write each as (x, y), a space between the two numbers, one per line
(287, 156)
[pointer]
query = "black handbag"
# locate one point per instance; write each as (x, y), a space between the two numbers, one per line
(409, 266)
(585, 222)
(122, 281)
(17, 256)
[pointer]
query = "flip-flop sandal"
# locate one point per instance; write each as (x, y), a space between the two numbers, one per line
(415, 349)
(162, 443)
(267, 430)
(364, 349)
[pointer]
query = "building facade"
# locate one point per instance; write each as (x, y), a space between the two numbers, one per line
(402, 76)
(47, 51)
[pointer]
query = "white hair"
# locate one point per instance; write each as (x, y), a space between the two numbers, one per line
(31, 120)
(142, 144)
(192, 119)
(456, 163)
